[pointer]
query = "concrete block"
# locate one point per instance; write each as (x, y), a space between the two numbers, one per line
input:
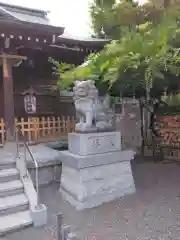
(94, 202)
(38, 211)
(78, 162)
(82, 191)
(39, 215)
(90, 187)
(96, 173)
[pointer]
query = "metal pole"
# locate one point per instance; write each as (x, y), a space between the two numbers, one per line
(65, 230)
(37, 186)
(59, 226)
(17, 143)
(25, 160)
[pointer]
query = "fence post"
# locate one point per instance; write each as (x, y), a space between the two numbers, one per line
(36, 128)
(2, 130)
(59, 226)
(63, 232)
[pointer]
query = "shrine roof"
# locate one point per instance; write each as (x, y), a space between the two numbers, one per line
(22, 24)
(24, 14)
(6, 24)
(28, 24)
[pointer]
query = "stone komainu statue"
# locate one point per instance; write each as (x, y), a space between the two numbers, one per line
(93, 114)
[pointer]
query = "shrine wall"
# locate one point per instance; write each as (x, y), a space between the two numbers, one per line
(35, 75)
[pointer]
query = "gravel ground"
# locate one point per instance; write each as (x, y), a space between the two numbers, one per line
(153, 213)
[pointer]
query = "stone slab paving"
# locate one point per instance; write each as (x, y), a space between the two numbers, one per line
(153, 213)
(44, 155)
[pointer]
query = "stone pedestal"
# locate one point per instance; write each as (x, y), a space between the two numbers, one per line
(94, 143)
(95, 169)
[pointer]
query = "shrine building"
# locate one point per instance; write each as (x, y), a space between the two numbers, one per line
(27, 84)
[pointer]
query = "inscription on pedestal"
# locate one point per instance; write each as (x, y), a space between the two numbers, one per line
(102, 142)
(94, 143)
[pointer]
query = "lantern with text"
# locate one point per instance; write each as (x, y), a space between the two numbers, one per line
(30, 103)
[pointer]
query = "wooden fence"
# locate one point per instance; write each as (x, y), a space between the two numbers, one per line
(41, 129)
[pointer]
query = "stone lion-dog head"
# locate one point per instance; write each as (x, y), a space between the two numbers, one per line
(85, 89)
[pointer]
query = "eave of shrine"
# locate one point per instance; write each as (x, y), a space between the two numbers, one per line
(26, 31)
(81, 44)
(30, 28)
(90, 42)
(26, 27)
(86, 45)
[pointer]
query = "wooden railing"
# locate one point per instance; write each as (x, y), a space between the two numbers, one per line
(41, 129)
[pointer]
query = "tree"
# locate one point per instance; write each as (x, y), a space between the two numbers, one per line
(109, 18)
(102, 16)
(146, 55)
(143, 57)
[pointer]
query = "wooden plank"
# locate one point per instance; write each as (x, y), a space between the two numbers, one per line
(64, 125)
(8, 100)
(28, 128)
(73, 124)
(54, 126)
(49, 125)
(15, 57)
(36, 129)
(2, 132)
(43, 127)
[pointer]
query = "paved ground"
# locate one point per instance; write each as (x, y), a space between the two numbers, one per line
(153, 213)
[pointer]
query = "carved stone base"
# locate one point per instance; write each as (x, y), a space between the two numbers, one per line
(96, 201)
(94, 160)
(90, 187)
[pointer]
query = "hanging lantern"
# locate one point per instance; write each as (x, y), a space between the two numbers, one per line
(30, 102)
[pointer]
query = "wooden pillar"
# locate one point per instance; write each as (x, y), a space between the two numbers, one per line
(7, 63)
(8, 99)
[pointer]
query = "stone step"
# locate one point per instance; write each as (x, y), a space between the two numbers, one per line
(11, 188)
(6, 165)
(9, 174)
(14, 221)
(13, 204)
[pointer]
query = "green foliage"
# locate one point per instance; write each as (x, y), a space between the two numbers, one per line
(103, 17)
(61, 69)
(144, 55)
(173, 100)
(111, 19)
